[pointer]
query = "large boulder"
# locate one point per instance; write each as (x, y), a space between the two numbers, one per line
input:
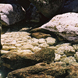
(48, 8)
(11, 13)
(15, 60)
(43, 70)
(64, 25)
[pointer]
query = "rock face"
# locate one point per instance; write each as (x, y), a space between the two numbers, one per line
(70, 6)
(42, 70)
(11, 13)
(65, 25)
(48, 7)
(23, 60)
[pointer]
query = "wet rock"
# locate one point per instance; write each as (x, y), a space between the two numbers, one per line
(11, 14)
(15, 60)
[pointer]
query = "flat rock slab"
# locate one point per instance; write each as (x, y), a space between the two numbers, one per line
(64, 25)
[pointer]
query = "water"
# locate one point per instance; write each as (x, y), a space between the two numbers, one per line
(4, 72)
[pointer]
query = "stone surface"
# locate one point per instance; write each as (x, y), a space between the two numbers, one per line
(64, 25)
(11, 14)
(40, 70)
(76, 56)
(59, 60)
(15, 60)
(40, 35)
(65, 49)
(50, 40)
(48, 7)
(69, 60)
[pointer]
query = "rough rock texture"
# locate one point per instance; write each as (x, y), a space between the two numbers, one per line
(65, 25)
(41, 70)
(11, 13)
(18, 60)
(40, 35)
(48, 7)
(56, 70)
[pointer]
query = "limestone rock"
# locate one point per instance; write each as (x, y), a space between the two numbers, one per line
(43, 45)
(72, 71)
(69, 60)
(75, 46)
(50, 40)
(42, 40)
(64, 25)
(57, 57)
(11, 13)
(76, 56)
(40, 35)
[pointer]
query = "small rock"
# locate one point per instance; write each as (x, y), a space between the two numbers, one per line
(34, 42)
(42, 40)
(57, 57)
(69, 60)
(40, 35)
(50, 40)
(4, 51)
(35, 49)
(68, 50)
(43, 45)
(27, 46)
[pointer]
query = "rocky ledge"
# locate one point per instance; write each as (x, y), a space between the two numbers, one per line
(39, 55)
